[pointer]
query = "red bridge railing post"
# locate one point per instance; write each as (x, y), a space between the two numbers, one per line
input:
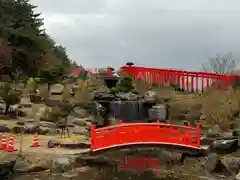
(189, 139)
(120, 121)
(92, 135)
(198, 135)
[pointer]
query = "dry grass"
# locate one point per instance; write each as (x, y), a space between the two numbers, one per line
(218, 107)
(221, 107)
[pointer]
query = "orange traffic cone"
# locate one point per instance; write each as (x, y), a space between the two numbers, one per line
(35, 142)
(4, 142)
(11, 145)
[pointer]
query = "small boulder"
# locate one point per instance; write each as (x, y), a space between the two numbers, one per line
(31, 128)
(23, 166)
(79, 113)
(7, 168)
(4, 128)
(80, 131)
(56, 89)
(209, 163)
(237, 177)
(18, 129)
(47, 124)
(53, 143)
(150, 96)
(224, 146)
(63, 164)
(80, 122)
(231, 163)
(75, 145)
(213, 164)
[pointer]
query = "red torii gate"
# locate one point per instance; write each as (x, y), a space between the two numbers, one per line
(187, 80)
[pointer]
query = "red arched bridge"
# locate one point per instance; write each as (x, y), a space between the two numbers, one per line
(126, 134)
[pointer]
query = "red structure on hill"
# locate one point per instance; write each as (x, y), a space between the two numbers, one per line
(186, 80)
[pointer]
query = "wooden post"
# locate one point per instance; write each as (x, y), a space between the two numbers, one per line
(92, 136)
(21, 144)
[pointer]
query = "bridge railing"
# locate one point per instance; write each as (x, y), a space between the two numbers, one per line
(144, 133)
(186, 80)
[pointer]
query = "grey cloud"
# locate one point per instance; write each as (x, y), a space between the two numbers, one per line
(162, 33)
(69, 7)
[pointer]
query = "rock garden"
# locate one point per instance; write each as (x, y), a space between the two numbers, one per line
(61, 114)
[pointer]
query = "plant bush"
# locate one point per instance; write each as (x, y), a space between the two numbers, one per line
(9, 95)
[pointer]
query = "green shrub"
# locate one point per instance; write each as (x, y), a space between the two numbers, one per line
(125, 84)
(9, 95)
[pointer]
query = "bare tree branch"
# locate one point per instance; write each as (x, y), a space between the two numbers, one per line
(221, 64)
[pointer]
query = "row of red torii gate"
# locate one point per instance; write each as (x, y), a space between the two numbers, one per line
(186, 80)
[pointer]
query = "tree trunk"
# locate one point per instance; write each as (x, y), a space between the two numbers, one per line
(7, 108)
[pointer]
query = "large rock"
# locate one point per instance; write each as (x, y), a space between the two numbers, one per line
(26, 102)
(80, 122)
(4, 128)
(47, 124)
(209, 162)
(97, 160)
(71, 145)
(237, 177)
(56, 89)
(23, 166)
(49, 131)
(158, 112)
(231, 163)
(224, 145)
(128, 96)
(7, 168)
(31, 128)
(150, 96)
(18, 129)
(81, 131)
(53, 143)
(79, 113)
(75, 145)
(63, 164)
(103, 96)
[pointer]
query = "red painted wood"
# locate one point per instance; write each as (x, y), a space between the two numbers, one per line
(144, 133)
(139, 164)
(203, 80)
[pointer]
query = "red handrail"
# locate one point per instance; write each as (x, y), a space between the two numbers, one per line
(186, 80)
(144, 133)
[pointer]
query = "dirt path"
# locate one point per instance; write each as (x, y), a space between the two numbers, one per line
(27, 142)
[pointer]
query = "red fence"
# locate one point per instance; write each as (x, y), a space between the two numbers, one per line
(186, 80)
(158, 133)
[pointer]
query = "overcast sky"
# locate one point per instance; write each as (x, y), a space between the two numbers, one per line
(156, 33)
